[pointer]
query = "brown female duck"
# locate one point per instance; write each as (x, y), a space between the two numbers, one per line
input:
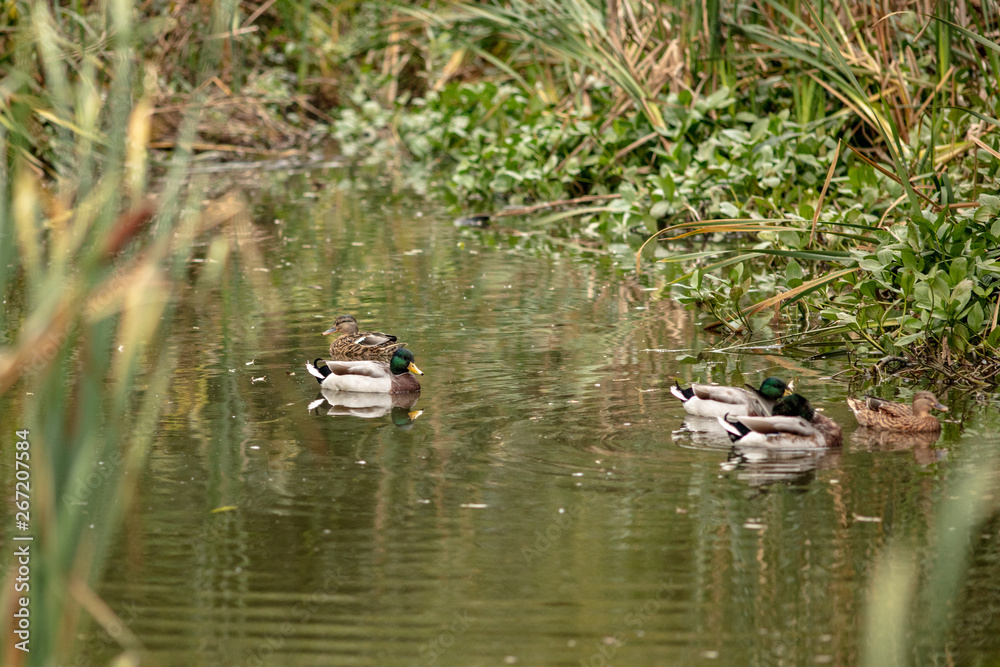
(899, 417)
(355, 345)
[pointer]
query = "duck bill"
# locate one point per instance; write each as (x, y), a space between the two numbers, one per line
(790, 389)
(942, 408)
(413, 369)
(329, 331)
(413, 414)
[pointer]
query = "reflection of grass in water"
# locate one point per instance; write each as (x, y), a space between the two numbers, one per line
(915, 591)
(94, 271)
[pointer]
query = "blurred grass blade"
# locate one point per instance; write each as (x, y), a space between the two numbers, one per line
(907, 623)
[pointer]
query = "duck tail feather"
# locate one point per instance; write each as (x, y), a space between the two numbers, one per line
(680, 392)
(736, 430)
(316, 369)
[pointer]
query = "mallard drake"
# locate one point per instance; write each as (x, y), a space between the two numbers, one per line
(355, 345)
(710, 400)
(794, 424)
(899, 417)
(377, 377)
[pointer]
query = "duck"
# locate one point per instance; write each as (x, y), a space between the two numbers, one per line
(710, 400)
(794, 424)
(899, 417)
(377, 377)
(355, 345)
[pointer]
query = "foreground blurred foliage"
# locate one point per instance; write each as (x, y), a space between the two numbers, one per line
(92, 259)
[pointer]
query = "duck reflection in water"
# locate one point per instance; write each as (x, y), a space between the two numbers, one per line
(367, 405)
(702, 433)
(762, 466)
(880, 440)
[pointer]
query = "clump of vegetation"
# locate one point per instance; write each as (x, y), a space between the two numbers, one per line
(858, 189)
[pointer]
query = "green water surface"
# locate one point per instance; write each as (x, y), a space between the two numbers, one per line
(550, 505)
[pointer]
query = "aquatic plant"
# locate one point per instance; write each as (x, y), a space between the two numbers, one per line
(876, 158)
(919, 283)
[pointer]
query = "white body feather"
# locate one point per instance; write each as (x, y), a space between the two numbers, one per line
(718, 401)
(359, 383)
(355, 376)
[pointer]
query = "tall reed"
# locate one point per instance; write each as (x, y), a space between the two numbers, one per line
(93, 258)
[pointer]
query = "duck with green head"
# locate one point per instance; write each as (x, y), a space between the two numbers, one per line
(352, 344)
(378, 377)
(794, 424)
(710, 400)
(899, 417)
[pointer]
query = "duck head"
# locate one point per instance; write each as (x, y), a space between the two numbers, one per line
(402, 361)
(924, 402)
(345, 324)
(773, 388)
(794, 405)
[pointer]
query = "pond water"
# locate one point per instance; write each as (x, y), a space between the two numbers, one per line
(549, 504)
